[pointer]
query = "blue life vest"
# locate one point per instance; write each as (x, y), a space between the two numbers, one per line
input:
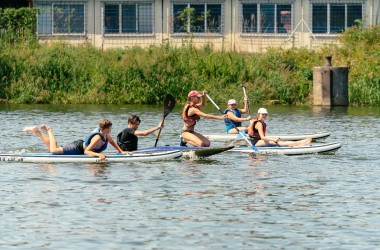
(236, 113)
(91, 135)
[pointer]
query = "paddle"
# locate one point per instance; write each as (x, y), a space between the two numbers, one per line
(169, 104)
(249, 142)
(239, 135)
(245, 95)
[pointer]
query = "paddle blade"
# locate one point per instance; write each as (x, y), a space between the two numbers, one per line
(169, 104)
(240, 135)
(255, 149)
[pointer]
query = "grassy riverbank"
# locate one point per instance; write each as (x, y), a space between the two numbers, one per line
(59, 73)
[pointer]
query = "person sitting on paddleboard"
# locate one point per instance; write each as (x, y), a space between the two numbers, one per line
(234, 116)
(191, 114)
(128, 138)
(95, 143)
(257, 129)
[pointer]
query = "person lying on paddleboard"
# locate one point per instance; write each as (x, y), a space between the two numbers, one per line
(257, 129)
(128, 138)
(234, 116)
(191, 114)
(95, 142)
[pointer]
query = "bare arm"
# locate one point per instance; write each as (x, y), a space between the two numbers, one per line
(233, 117)
(203, 101)
(245, 109)
(146, 132)
(91, 146)
(195, 111)
(114, 144)
(259, 127)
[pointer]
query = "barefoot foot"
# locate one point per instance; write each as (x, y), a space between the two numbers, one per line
(45, 127)
(308, 141)
(33, 129)
(305, 142)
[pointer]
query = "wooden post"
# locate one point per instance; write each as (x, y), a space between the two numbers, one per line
(330, 85)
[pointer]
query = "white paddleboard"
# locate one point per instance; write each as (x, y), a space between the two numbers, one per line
(50, 158)
(297, 150)
(285, 137)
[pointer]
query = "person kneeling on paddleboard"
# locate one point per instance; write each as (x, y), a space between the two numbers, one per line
(257, 129)
(234, 117)
(128, 138)
(95, 143)
(191, 114)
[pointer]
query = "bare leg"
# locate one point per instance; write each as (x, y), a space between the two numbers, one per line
(295, 143)
(195, 139)
(54, 149)
(234, 131)
(35, 130)
(284, 143)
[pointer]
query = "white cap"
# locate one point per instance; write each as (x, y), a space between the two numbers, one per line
(231, 101)
(262, 111)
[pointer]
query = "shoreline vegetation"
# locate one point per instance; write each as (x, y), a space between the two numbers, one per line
(57, 73)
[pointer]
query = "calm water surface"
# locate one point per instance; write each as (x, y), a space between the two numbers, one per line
(228, 201)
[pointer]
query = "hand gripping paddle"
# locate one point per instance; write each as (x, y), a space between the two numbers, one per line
(248, 141)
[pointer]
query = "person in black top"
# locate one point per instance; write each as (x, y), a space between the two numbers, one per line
(128, 138)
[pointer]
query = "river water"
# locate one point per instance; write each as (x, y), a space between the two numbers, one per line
(228, 201)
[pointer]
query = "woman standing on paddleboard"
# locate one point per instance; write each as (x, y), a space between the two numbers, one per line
(257, 129)
(191, 114)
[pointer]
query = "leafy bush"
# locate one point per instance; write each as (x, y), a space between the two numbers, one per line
(58, 73)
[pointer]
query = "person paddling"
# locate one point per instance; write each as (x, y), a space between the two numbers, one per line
(234, 116)
(128, 138)
(191, 114)
(94, 144)
(257, 129)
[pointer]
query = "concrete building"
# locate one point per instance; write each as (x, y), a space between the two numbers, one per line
(227, 25)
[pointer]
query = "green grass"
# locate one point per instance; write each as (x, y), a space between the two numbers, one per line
(58, 73)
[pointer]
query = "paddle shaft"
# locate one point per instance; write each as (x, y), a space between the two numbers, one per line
(249, 142)
(169, 104)
(159, 131)
(245, 95)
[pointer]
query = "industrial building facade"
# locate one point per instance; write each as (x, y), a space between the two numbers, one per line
(225, 25)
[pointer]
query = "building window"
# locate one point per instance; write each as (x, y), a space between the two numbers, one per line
(128, 18)
(197, 18)
(266, 18)
(331, 18)
(61, 18)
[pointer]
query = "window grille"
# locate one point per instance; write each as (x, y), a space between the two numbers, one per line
(331, 17)
(128, 18)
(266, 18)
(197, 17)
(61, 18)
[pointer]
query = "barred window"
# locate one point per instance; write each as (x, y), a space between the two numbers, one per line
(128, 18)
(334, 18)
(266, 18)
(197, 18)
(61, 18)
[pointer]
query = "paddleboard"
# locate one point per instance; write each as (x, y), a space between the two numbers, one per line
(297, 150)
(189, 151)
(285, 137)
(50, 158)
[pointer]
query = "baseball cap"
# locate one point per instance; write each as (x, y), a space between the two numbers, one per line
(262, 111)
(231, 101)
(194, 93)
